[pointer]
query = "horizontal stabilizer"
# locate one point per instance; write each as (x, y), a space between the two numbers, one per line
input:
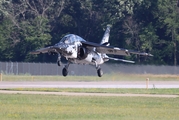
(122, 60)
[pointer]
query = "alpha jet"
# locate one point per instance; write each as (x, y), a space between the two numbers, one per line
(76, 50)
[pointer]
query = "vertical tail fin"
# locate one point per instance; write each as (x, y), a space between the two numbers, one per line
(105, 38)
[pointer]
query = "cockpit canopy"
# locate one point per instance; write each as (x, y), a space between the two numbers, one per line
(71, 38)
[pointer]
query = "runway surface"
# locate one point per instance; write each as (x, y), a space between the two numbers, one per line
(102, 84)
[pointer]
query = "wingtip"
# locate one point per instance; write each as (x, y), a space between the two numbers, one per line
(109, 25)
(147, 54)
(150, 55)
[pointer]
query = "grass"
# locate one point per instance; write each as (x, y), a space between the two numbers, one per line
(103, 90)
(106, 77)
(45, 107)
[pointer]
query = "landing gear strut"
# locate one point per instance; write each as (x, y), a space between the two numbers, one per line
(59, 60)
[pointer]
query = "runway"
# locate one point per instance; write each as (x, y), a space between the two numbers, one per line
(101, 84)
(97, 84)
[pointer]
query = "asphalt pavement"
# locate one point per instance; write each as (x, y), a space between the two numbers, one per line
(101, 84)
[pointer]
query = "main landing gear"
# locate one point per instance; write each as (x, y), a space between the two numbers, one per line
(65, 70)
(99, 71)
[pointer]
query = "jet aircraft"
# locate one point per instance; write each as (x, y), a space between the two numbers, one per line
(76, 50)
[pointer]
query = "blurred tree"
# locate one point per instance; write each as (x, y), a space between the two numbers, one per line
(6, 45)
(32, 21)
(169, 19)
(144, 25)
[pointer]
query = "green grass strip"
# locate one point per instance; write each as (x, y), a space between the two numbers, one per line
(52, 107)
(104, 90)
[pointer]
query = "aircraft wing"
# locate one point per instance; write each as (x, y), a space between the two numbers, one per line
(43, 50)
(112, 50)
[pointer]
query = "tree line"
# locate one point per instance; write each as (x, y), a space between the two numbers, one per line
(143, 25)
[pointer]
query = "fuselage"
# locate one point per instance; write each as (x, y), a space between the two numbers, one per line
(71, 48)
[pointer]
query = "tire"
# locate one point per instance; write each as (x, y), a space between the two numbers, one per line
(99, 72)
(65, 72)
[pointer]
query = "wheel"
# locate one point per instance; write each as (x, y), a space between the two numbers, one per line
(65, 72)
(59, 63)
(100, 72)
